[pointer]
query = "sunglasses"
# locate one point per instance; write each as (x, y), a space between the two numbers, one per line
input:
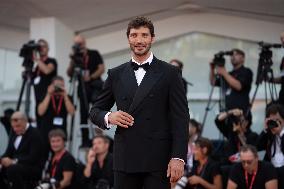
(16, 119)
(248, 162)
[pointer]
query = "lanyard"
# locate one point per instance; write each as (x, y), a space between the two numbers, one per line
(58, 109)
(55, 162)
(252, 179)
(86, 61)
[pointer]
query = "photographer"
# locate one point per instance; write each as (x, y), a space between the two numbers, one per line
(237, 82)
(99, 169)
(45, 70)
(91, 64)
(179, 64)
(54, 108)
(272, 139)
(62, 165)
(280, 80)
(236, 128)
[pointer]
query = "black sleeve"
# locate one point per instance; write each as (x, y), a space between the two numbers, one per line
(54, 62)
(9, 150)
(215, 170)
(245, 78)
(69, 164)
(103, 103)
(234, 174)
(222, 127)
(98, 57)
(262, 140)
(270, 172)
(179, 116)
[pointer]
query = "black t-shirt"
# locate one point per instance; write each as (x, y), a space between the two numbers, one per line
(210, 170)
(106, 172)
(281, 92)
(40, 86)
(48, 121)
(234, 98)
(66, 163)
(239, 99)
(265, 173)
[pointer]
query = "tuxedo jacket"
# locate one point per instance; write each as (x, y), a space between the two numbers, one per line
(160, 111)
(29, 151)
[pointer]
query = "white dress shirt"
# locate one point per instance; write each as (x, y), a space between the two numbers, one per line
(278, 159)
(19, 139)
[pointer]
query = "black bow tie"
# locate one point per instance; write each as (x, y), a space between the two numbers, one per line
(145, 66)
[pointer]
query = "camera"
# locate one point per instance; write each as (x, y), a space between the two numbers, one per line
(102, 184)
(78, 55)
(269, 45)
(28, 49)
(57, 89)
(51, 184)
(235, 119)
(271, 124)
(219, 59)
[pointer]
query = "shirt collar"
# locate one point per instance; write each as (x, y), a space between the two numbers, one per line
(149, 59)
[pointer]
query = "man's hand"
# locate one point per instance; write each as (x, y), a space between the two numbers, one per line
(50, 89)
(175, 170)
(193, 180)
(236, 112)
(91, 156)
(121, 119)
(6, 162)
(221, 70)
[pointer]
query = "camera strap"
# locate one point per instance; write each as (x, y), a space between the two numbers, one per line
(55, 162)
(57, 109)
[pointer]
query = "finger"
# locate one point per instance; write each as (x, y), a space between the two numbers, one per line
(127, 120)
(173, 175)
(120, 120)
(127, 115)
(121, 125)
(169, 171)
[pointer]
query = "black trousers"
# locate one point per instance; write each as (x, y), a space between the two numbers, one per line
(148, 180)
(19, 175)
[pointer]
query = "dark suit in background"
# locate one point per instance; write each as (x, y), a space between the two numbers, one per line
(29, 158)
(161, 117)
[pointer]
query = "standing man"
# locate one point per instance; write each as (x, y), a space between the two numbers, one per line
(150, 143)
(90, 63)
(237, 82)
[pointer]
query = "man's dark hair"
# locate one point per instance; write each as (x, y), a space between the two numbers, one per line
(274, 109)
(180, 64)
(58, 77)
(103, 137)
(249, 147)
(57, 133)
(196, 124)
(239, 51)
(205, 143)
(141, 21)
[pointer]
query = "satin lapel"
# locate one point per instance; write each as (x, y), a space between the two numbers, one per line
(149, 80)
(129, 80)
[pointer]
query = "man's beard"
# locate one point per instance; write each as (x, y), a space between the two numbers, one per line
(143, 53)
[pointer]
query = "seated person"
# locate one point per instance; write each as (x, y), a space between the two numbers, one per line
(251, 173)
(53, 110)
(205, 173)
(99, 168)
(62, 166)
(194, 129)
(236, 128)
(22, 161)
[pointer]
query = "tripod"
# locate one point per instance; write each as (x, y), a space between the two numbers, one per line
(27, 81)
(76, 81)
(265, 74)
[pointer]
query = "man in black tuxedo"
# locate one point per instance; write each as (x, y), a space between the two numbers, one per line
(22, 160)
(150, 143)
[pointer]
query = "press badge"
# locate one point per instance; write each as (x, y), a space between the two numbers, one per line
(37, 80)
(58, 121)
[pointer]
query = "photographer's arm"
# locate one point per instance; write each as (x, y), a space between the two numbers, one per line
(99, 72)
(45, 68)
(42, 107)
(234, 83)
(67, 177)
(212, 74)
(70, 69)
(69, 105)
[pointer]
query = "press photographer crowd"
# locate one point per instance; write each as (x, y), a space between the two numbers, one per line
(37, 156)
